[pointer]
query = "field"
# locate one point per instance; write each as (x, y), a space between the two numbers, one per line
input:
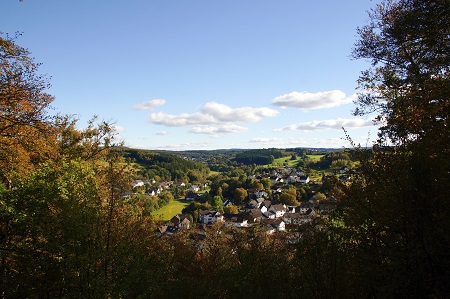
(173, 208)
(315, 158)
(213, 173)
(284, 161)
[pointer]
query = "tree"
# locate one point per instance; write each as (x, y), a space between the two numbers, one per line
(396, 211)
(289, 197)
(24, 122)
(320, 197)
(266, 183)
(240, 194)
(216, 203)
(408, 44)
(232, 209)
(257, 185)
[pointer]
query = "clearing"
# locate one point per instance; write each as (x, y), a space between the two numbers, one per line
(167, 212)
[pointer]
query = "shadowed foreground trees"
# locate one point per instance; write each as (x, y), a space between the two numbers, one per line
(397, 210)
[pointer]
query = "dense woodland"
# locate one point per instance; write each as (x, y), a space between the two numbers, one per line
(166, 166)
(258, 156)
(67, 231)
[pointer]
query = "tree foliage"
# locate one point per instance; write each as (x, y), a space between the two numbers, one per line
(396, 211)
(258, 156)
(240, 195)
(408, 45)
(24, 127)
(169, 166)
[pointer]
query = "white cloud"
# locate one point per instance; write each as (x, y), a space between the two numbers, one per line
(223, 113)
(211, 130)
(330, 124)
(181, 120)
(212, 114)
(149, 105)
(184, 146)
(266, 140)
(162, 133)
(310, 101)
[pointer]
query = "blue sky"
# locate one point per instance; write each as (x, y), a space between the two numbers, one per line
(202, 74)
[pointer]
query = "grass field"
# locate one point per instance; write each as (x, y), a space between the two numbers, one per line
(284, 161)
(315, 158)
(213, 173)
(173, 208)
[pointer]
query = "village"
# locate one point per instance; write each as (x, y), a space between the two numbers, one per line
(261, 208)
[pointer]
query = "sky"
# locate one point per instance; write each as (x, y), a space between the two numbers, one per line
(202, 74)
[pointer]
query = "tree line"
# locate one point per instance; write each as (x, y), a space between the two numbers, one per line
(258, 156)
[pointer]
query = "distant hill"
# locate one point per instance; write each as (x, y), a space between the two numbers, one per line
(166, 165)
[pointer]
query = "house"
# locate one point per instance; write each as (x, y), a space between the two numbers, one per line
(278, 178)
(305, 206)
(277, 190)
(236, 220)
(304, 179)
(153, 192)
(292, 179)
(345, 178)
(227, 202)
(264, 210)
(184, 224)
(292, 209)
(165, 184)
(209, 217)
(255, 215)
(300, 172)
(264, 207)
(253, 204)
(261, 194)
(194, 188)
(190, 196)
(165, 230)
(179, 184)
(343, 170)
(277, 225)
(277, 210)
(161, 230)
(137, 183)
(181, 221)
(298, 219)
(255, 193)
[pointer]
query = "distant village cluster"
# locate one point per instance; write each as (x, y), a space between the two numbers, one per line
(259, 209)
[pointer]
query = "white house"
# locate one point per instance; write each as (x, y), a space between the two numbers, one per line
(179, 184)
(137, 183)
(304, 179)
(261, 193)
(209, 217)
(194, 188)
(236, 220)
(275, 225)
(278, 210)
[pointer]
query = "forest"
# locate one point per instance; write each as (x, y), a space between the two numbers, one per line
(67, 231)
(258, 156)
(166, 166)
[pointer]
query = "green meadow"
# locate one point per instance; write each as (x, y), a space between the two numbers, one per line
(170, 210)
